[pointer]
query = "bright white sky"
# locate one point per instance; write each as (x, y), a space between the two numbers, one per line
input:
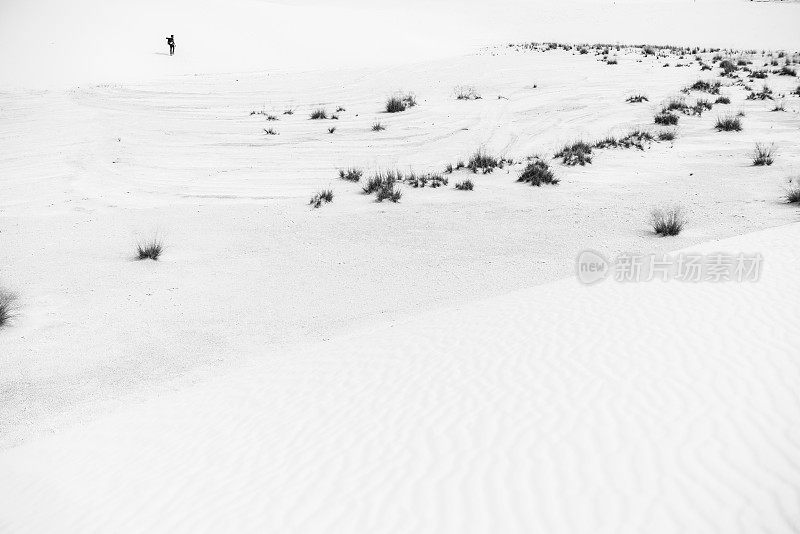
(46, 43)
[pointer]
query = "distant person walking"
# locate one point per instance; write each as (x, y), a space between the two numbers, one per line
(171, 43)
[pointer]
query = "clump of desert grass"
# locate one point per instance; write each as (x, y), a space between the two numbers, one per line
(429, 179)
(786, 71)
(466, 92)
(270, 131)
(537, 172)
(483, 161)
(323, 197)
(319, 114)
(340, 109)
(763, 155)
(466, 185)
(269, 116)
(352, 174)
(331, 129)
(676, 104)
(8, 306)
(637, 98)
(759, 74)
(728, 67)
(710, 87)
(679, 104)
(577, 153)
(391, 194)
(383, 185)
(395, 105)
(779, 106)
(398, 103)
(150, 249)
(701, 105)
(764, 94)
(665, 118)
(667, 222)
(728, 123)
(288, 111)
(378, 127)
(793, 191)
(722, 100)
(634, 139)
(666, 135)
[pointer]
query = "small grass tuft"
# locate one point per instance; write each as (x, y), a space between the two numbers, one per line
(466, 92)
(391, 194)
(8, 306)
(577, 153)
(764, 94)
(537, 172)
(149, 250)
(319, 114)
(665, 118)
(711, 87)
(331, 129)
(667, 222)
(398, 103)
(722, 100)
(351, 174)
(763, 155)
(430, 179)
(481, 160)
(466, 185)
(395, 105)
(793, 191)
(666, 135)
(635, 99)
(728, 67)
(270, 131)
(384, 186)
(378, 127)
(323, 197)
(728, 123)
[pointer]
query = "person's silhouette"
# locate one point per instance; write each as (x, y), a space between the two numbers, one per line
(171, 43)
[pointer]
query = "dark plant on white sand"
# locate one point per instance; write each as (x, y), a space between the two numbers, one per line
(667, 222)
(8, 306)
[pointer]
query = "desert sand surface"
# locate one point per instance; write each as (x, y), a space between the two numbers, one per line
(560, 408)
(430, 365)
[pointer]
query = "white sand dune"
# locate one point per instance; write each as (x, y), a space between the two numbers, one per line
(51, 43)
(424, 366)
(248, 267)
(649, 407)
